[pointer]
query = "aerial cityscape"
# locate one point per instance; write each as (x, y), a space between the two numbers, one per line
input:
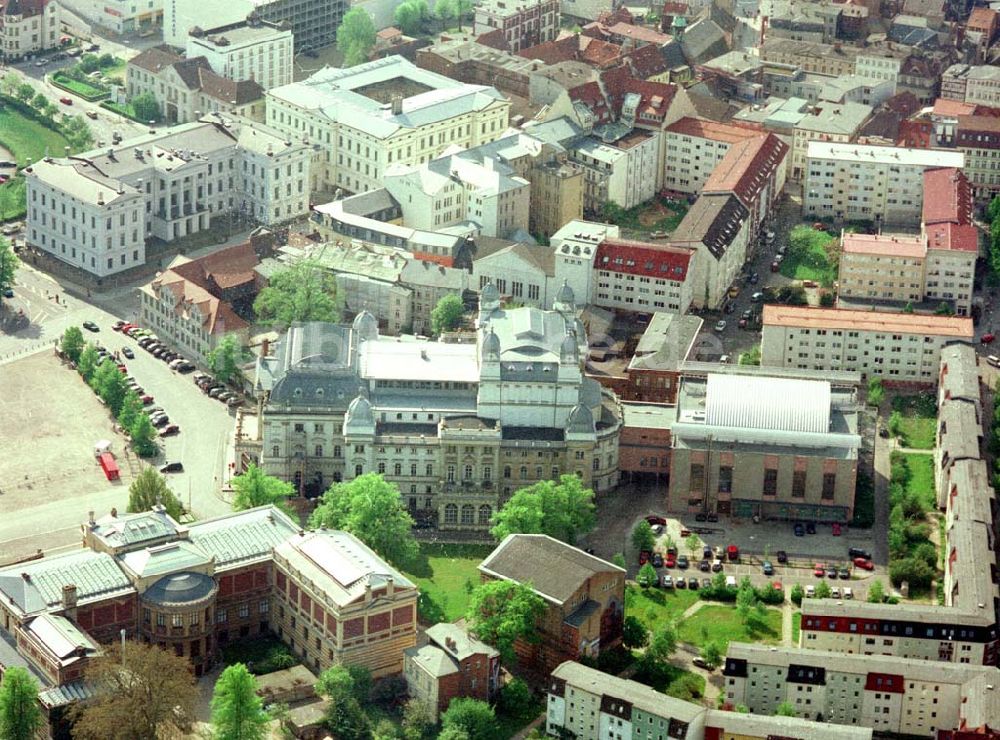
(499, 369)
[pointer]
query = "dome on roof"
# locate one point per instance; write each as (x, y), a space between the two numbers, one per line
(365, 327)
(491, 346)
(359, 413)
(568, 350)
(565, 294)
(580, 420)
(489, 295)
(180, 588)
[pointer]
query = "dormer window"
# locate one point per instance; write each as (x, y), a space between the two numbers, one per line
(297, 393)
(319, 392)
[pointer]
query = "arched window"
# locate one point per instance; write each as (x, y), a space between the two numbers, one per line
(468, 514)
(524, 472)
(485, 514)
(336, 450)
(450, 514)
(359, 470)
(276, 451)
(506, 471)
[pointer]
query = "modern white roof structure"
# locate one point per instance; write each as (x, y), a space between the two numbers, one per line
(385, 359)
(885, 155)
(779, 404)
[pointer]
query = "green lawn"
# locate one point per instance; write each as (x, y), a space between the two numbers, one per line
(917, 420)
(655, 606)
(809, 256)
(26, 138)
(796, 627)
(13, 199)
(83, 89)
(672, 681)
(117, 70)
(445, 574)
(721, 624)
(920, 479)
(659, 214)
(260, 655)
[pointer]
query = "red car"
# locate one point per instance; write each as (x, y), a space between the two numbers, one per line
(669, 561)
(66, 101)
(654, 520)
(836, 529)
(147, 399)
(733, 552)
(864, 564)
(776, 585)
(170, 430)
(987, 338)
(644, 557)
(819, 570)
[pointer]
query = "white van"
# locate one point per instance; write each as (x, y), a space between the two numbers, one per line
(730, 581)
(993, 360)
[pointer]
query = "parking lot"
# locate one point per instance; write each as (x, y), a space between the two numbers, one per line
(48, 473)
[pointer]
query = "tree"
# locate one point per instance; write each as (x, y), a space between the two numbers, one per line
(751, 356)
(410, 16)
(823, 590)
(356, 36)
(143, 693)
(693, 544)
(371, 509)
(827, 299)
(418, 719)
(447, 314)
(564, 510)
(150, 488)
(146, 107)
(500, 612)
(143, 435)
(634, 633)
(712, 654)
(25, 92)
(224, 360)
(453, 733)
(345, 718)
(130, 409)
(913, 570)
(908, 308)
(785, 709)
(256, 488)
(20, 714)
(302, 292)
(341, 682)
(876, 592)
(87, 365)
(78, 133)
(643, 538)
(39, 101)
(385, 730)
(895, 423)
(9, 263)
(237, 711)
(71, 343)
(516, 698)
(875, 392)
(618, 559)
(646, 576)
(797, 594)
(746, 601)
(992, 210)
(109, 383)
(10, 82)
(663, 642)
(944, 309)
(472, 715)
(51, 110)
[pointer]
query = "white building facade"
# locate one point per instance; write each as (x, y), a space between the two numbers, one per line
(252, 50)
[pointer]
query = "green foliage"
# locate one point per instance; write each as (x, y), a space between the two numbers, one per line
(143, 435)
(827, 300)
(908, 308)
(812, 255)
(475, 717)
(634, 633)
(895, 422)
(993, 209)
(500, 612)
(130, 409)
(618, 559)
(643, 537)
(447, 314)
(109, 383)
(768, 594)
(751, 356)
(418, 720)
(237, 711)
(912, 569)
(72, 343)
(876, 592)
(693, 544)
(647, 576)
(345, 682)
(146, 107)
(712, 654)
(662, 642)
(256, 488)
(448, 10)
(356, 36)
(20, 713)
(24, 92)
(876, 392)
(262, 655)
(516, 698)
(798, 593)
(78, 134)
(564, 510)
(9, 263)
(785, 709)
(410, 16)
(87, 365)
(150, 488)
(346, 719)
(302, 292)
(224, 360)
(864, 501)
(944, 309)
(371, 509)
(823, 590)
(39, 101)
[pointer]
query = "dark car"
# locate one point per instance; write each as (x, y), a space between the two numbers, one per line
(160, 421)
(680, 583)
(172, 467)
(883, 433)
(799, 529)
(693, 584)
(8, 292)
(700, 662)
(810, 527)
(717, 565)
(844, 574)
(657, 560)
(127, 351)
(832, 573)
(767, 569)
(859, 552)
(170, 430)
(700, 516)
(682, 562)
(653, 520)
(705, 566)
(782, 556)
(713, 517)
(706, 552)
(91, 326)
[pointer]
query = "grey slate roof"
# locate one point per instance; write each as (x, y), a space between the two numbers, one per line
(37, 585)
(180, 588)
(234, 539)
(465, 645)
(554, 569)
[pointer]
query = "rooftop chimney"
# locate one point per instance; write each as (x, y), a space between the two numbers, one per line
(397, 104)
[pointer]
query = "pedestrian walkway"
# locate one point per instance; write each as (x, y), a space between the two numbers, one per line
(787, 613)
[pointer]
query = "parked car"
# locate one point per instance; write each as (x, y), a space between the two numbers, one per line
(831, 572)
(127, 351)
(810, 527)
(733, 552)
(705, 566)
(859, 552)
(92, 115)
(819, 570)
(716, 565)
(91, 326)
(767, 568)
(835, 528)
(720, 325)
(835, 592)
(170, 430)
(782, 556)
(864, 564)
(172, 467)
(757, 297)
(644, 556)
(700, 662)
(848, 593)
(147, 399)
(775, 266)
(653, 520)
(670, 560)
(217, 391)
(667, 581)
(680, 583)
(693, 584)
(844, 573)
(186, 367)
(657, 560)
(682, 562)
(161, 420)
(987, 338)
(810, 591)
(799, 529)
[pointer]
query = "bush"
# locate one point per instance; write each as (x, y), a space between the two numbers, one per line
(770, 595)
(798, 593)
(913, 570)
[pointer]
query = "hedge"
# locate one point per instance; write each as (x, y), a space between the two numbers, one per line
(88, 92)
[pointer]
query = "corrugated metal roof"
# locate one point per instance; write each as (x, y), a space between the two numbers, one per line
(780, 404)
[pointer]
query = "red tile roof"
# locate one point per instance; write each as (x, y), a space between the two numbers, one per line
(947, 196)
(954, 237)
(643, 258)
(904, 102)
(590, 94)
(747, 167)
(947, 107)
(915, 134)
(647, 61)
(575, 48)
(713, 130)
(639, 33)
(981, 19)
(656, 97)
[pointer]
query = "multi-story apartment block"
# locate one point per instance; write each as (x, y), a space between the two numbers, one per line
(252, 50)
(314, 23)
(828, 59)
(748, 444)
(522, 23)
(828, 123)
(556, 195)
(622, 172)
(28, 27)
(871, 183)
(643, 276)
(452, 664)
(695, 147)
(898, 347)
(894, 695)
(457, 426)
(584, 597)
(190, 304)
(977, 137)
(185, 89)
(95, 210)
(590, 705)
(121, 16)
(982, 28)
(368, 117)
(882, 267)
(979, 85)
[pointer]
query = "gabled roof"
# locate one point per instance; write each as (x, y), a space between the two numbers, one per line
(702, 129)
(950, 198)
(554, 569)
(235, 539)
(747, 167)
(38, 585)
(643, 258)
(714, 220)
(156, 58)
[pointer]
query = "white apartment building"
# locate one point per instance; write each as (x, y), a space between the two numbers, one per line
(524, 272)
(898, 347)
(120, 16)
(28, 27)
(451, 190)
(251, 50)
(96, 209)
(870, 183)
(623, 172)
(524, 22)
(365, 118)
(829, 123)
(886, 694)
(694, 149)
(643, 277)
(982, 86)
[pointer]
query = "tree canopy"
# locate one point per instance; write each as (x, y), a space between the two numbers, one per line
(150, 488)
(72, 343)
(146, 107)
(143, 435)
(500, 612)
(447, 314)
(564, 510)
(476, 718)
(643, 537)
(109, 383)
(237, 711)
(371, 509)
(144, 693)
(256, 488)
(302, 292)
(356, 36)
(87, 365)
(224, 360)
(20, 714)
(410, 16)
